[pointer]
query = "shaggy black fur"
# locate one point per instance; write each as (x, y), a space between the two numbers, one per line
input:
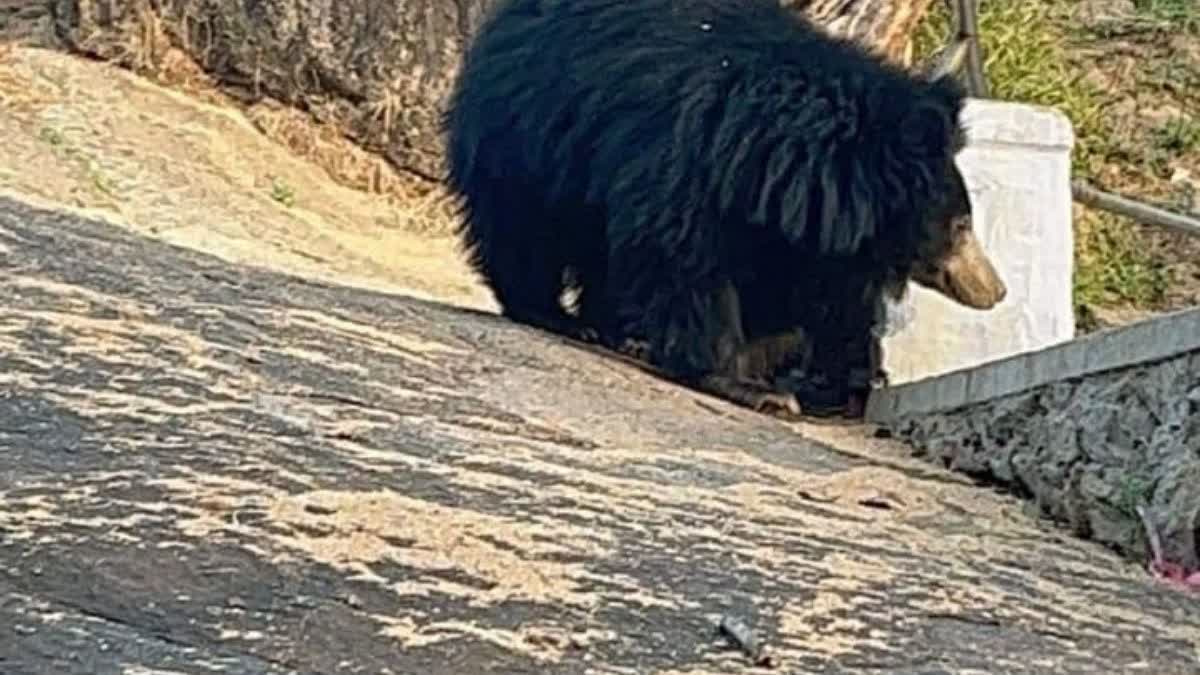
(688, 165)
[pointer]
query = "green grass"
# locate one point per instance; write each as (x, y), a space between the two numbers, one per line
(1181, 14)
(52, 136)
(1026, 60)
(1174, 137)
(1133, 491)
(1178, 134)
(1112, 267)
(282, 192)
(95, 173)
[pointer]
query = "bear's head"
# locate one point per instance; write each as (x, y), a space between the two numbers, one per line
(947, 256)
(950, 258)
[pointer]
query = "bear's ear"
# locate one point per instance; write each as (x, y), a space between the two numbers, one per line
(947, 63)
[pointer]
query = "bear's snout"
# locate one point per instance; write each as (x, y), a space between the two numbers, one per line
(969, 277)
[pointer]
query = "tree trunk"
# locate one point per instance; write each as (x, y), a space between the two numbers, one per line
(883, 25)
(378, 71)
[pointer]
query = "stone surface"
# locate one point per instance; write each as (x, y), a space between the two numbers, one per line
(1089, 451)
(207, 467)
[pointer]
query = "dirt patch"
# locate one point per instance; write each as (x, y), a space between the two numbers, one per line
(108, 143)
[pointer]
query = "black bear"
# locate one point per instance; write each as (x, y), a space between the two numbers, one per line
(697, 170)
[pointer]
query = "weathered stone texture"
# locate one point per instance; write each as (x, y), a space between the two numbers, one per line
(210, 468)
(1089, 451)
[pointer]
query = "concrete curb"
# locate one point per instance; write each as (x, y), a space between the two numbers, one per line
(1149, 340)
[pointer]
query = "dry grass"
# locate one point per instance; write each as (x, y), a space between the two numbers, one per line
(419, 205)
